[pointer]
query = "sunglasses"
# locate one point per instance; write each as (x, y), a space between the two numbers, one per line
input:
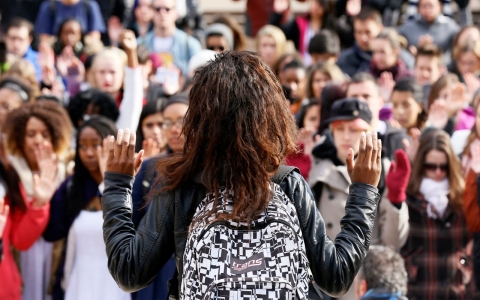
(160, 8)
(219, 48)
(434, 167)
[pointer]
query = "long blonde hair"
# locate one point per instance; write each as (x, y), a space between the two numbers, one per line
(275, 33)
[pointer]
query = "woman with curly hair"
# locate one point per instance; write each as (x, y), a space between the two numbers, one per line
(26, 129)
(238, 131)
(22, 218)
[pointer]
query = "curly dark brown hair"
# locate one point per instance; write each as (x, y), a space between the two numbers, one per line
(52, 114)
(238, 131)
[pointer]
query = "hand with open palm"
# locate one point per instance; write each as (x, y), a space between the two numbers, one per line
(4, 209)
(475, 154)
(45, 183)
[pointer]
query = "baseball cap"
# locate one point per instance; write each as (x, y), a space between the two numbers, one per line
(348, 109)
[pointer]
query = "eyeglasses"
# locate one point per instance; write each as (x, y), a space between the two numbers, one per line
(168, 124)
(160, 8)
(214, 48)
(434, 167)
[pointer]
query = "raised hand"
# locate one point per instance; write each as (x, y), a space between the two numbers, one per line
(129, 44)
(438, 114)
(49, 74)
(150, 148)
(4, 209)
(308, 139)
(121, 154)
(114, 29)
(397, 177)
(102, 154)
(411, 148)
(46, 56)
(472, 83)
(368, 166)
(45, 183)
(475, 154)
(424, 40)
(128, 40)
(353, 7)
(69, 65)
(172, 81)
(280, 6)
(457, 99)
(386, 84)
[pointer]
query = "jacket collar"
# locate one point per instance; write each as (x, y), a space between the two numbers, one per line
(323, 170)
(365, 55)
(440, 19)
(419, 204)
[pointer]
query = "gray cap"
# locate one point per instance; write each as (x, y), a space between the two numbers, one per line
(220, 29)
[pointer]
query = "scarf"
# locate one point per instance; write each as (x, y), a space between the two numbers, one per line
(435, 193)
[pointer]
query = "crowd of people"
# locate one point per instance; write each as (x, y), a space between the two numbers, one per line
(72, 72)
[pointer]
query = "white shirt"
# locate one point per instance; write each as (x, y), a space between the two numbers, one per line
(162, 44)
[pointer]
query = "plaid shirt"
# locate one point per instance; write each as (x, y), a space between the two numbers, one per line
(435, 254)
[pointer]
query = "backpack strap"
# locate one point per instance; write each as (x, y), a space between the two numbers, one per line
(282, 173)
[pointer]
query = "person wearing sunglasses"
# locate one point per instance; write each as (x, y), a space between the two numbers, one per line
(171, 44)
(436, 249)
(218, 38)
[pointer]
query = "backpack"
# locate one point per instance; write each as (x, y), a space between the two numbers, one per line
(225, 260)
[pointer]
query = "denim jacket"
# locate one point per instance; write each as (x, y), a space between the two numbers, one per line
(183, 47)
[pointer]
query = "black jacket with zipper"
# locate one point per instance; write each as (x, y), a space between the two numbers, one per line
(136, 256)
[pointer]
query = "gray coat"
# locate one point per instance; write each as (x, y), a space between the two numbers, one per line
(391, 224)
(442, 30)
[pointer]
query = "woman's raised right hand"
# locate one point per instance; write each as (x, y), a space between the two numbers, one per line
(121, 154)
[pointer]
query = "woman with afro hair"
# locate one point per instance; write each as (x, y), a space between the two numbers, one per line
(26, 129)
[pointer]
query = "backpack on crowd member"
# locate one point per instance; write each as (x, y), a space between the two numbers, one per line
(227, 260)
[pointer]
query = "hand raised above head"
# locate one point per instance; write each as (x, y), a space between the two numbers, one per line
(368, 166)
(121, 154)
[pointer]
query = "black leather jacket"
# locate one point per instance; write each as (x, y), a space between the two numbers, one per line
(136, 256)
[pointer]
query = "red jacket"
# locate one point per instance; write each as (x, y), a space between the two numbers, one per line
(21, 231)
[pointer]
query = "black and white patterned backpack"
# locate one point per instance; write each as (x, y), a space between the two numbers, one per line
(225, 260)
